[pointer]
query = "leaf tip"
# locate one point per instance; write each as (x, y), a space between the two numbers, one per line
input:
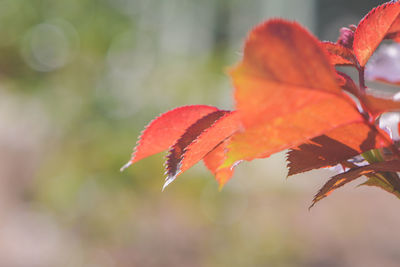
(220, 186)
(129, 163)
(169, 180)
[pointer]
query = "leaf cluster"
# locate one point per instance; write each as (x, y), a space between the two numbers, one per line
(289, 95)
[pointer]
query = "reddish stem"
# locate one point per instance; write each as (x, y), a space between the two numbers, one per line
(361, 79)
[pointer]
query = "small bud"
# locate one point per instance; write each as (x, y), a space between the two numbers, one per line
(346, 36)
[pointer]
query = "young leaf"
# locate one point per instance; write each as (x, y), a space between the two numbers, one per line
(214, 159)
(163, 131)
(286, 92)
(335, 147)
(346, 36)
(339, 55)
(201, 138)
(346, 177)
(373, 28)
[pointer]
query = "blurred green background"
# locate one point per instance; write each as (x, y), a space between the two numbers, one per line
(79, 79)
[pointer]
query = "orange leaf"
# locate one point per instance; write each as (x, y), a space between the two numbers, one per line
(201, 138)
(339, 55)
(376, 105)
(177, 151)
(335, 147)
(373, 28)
(214, 159)
(346, 177)
(163, 131)
(286, 92)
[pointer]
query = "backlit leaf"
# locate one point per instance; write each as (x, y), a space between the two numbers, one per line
(201, 138)
(287, 96)
(177, 151)
(163, 131)
(339, 55)
(335, 147)
(346, 177)
(373, 28)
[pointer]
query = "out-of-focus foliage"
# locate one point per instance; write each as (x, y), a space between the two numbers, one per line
(79, 79)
